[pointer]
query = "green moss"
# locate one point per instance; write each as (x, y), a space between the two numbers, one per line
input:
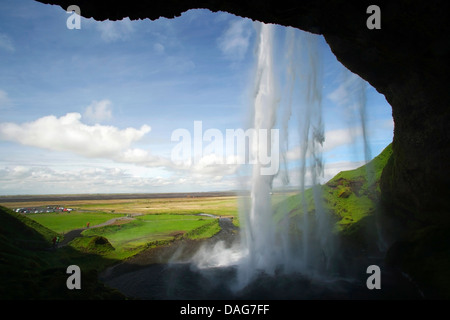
(96, 245)
(349, 198)
(344, 192)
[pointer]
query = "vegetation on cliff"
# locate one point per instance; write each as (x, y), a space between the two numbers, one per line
(351, 198)
(30, 268)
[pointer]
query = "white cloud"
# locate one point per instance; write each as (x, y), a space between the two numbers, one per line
(340, 137)
(213, 165)
(333, 139)
(332, 169)
(98, 111)
(329, 171)
(142, 158)
(234, 42)
(20, 179)
(101, 179)
(159, 48)
(68, 133)
(350, 96)
(5, 101)
(6, 43)
(111, 31)
(350, 87)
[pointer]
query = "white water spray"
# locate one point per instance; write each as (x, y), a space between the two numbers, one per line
(259, 235)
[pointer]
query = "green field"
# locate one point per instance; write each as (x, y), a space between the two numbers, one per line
(26, 243)
(26, 239)
(148, 223)
(64, 222)
(147, 229)
(132, 235)
(155, 219)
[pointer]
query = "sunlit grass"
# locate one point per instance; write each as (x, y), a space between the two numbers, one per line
(348, 197)
(64, 222)
(149, 230)
(155, 221)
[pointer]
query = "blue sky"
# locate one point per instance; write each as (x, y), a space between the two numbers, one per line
(92, 110)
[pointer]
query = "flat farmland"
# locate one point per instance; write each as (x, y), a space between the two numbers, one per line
(215, 205)
(211, 205)
(129, 223)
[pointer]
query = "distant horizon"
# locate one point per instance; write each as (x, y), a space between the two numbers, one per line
(276, 190)
(115, 193)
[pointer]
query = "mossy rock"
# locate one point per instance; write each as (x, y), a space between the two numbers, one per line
(100, 241)
(344, 192)
(99, 244)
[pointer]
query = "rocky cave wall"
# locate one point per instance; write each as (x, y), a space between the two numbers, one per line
(407, 60)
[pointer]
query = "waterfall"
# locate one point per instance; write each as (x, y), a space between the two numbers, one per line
(269, 248)
(275, 242)
(259, 235)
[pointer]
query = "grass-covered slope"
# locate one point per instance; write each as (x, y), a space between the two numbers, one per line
(354, 194)
(21, 239)
(22, 231)
(31, 269)
(350, 197)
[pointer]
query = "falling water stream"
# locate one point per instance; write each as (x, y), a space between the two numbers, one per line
(260, 230)
(269, 248)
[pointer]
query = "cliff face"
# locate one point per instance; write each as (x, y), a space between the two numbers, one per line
(406, 60)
